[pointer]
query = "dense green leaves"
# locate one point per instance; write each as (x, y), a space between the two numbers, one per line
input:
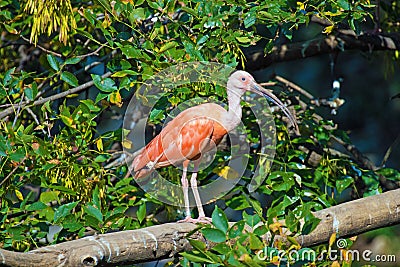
(62, 148)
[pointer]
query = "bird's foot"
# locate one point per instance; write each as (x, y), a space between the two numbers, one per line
(202, 219)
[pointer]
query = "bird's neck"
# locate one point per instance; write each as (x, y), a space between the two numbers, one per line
(234, 114)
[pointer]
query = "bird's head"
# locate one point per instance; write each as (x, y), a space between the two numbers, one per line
(241, 81)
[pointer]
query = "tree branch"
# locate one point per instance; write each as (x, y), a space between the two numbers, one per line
(166, 240)
(41, 101)
(344, 40)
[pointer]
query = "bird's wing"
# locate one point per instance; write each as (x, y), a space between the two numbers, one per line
(174, 145)
(184, 137)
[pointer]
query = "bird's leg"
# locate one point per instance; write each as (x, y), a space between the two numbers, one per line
(185, 188)
(193, 182)
(185, 184)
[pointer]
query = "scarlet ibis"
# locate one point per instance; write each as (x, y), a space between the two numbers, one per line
(197, 130)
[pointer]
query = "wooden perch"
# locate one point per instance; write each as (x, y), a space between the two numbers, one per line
(166, 240)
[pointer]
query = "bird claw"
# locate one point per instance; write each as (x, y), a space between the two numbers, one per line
(202, 219)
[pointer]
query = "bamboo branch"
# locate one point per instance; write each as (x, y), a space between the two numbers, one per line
(167, 240)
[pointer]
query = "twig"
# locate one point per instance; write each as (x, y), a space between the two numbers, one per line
(266, 84)
(358, 156)
(56, 96)
(389, 150)
(18, 111)
(35, 118)
(11, 173)
(293, 86)
(41, 48)
(95, 52)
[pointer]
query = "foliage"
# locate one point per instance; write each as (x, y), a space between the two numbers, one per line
(55, 184)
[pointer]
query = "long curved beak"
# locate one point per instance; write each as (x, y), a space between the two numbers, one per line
(271, 97)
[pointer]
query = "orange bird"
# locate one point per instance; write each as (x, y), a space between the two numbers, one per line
(197, 130)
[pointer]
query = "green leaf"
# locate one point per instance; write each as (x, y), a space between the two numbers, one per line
(141, 212)
(69, 78)
(236, 229)
(72, 60)
(199, 245)
(63, 211)
(101, 158)
(7, 76)
(243, 39)
(156, 114)
(105, 85)
(131, 52)
(18, 154)
(47, 213)
(90, 105)
(342, 184)
(219, 220)
(238, 202)
(251, 220)
(63, 189)
(50, 196)
(95, 212)
(292, 222)
(192, 257)
(154, 5)
(250, 19)
(255, 242)
(31, 92)
(36, 206)
(106, 5)
(124, 73)
(101, 96)
(311, 222)
(53, 62)
(344, 4)
(96, 197)
(214, 235)
(72, 226)
(167, 46)
(222, 248)
(137, 14)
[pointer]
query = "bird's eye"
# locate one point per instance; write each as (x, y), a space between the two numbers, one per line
(243, 78)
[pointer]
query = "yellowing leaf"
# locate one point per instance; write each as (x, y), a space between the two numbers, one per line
(333, 14)
(99, 144)
(328, 29)
(335, 264)
(292, 240)
(301, 5)
(332, 239)
(19, 194)
(226, 172)
(275, 227)
(54, 161)
(127, 144)
(116, 99)
(35, 146)
(67, 120)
